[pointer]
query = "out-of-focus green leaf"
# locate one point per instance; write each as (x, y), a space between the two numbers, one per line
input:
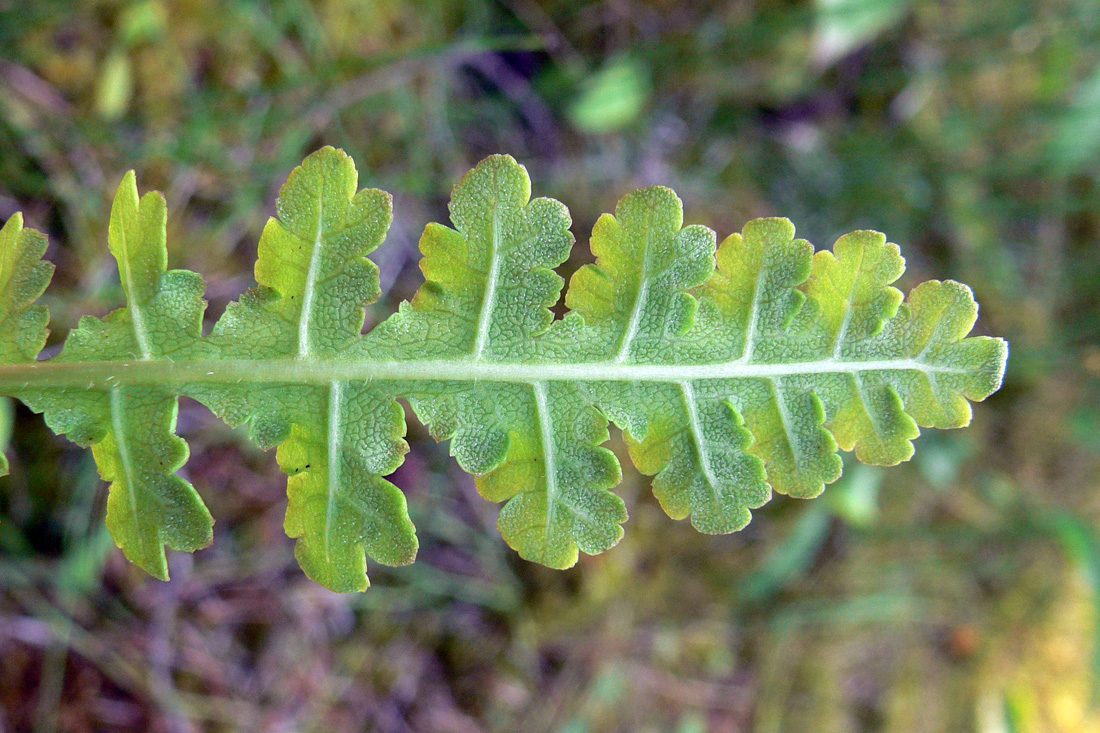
(854, 498)
(143, 21)
(789, 558)
(1080, 540)
(844, 25)
(115, 86)
(612, 98)
(1076, 140)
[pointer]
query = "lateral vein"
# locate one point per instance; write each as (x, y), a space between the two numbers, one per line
(486, 313)
(127, 461)
(697, 434)
(546, 434)
(335, 436)
(304, 345)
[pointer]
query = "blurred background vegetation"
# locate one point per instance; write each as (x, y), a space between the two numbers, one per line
(958, 592)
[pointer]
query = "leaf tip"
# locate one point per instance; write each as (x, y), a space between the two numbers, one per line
(127, 187)
(14, 224)
(769, 229)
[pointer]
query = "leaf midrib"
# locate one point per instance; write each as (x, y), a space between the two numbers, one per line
(110, 374)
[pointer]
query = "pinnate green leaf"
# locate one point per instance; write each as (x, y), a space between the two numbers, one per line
(130, 426)
(336, 438)
(531, 443)
(23, 278)
(732, 371)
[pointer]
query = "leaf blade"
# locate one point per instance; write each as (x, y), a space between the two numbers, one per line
(313, 281)
(23, 279)
(733, 372)
(131, 429)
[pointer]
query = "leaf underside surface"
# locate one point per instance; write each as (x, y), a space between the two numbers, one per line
(734, 369)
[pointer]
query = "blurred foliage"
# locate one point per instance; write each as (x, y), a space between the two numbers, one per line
(955, 593)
